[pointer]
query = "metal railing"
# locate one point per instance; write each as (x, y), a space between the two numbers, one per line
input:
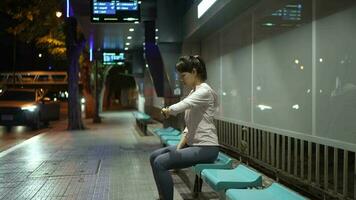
(321, 170)
(34, 78)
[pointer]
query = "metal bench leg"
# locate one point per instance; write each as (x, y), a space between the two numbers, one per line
(197, 186)
(145, 128)
(200, 184)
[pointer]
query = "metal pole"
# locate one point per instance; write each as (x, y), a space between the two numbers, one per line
(96, 118)
(13, 61)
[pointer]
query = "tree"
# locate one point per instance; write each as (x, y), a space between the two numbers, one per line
(35, 21)
(75, 44)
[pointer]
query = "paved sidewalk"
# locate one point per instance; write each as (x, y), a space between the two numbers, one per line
(107, 161)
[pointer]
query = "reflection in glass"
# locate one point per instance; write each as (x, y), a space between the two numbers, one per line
(335, 70)
(281, 52)
(264, 107)
(296, 106)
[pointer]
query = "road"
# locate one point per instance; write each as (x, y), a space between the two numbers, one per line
(17, 134)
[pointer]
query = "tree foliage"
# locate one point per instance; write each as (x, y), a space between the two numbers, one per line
(36, 21)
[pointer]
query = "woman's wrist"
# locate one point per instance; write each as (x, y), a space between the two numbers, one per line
(165, 112)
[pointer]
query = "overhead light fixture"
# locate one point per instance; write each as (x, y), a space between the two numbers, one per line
(127, 43)
(129, 37)
(139, 2)
(131, 29)
(68, 8)
(91, 47)
(156, 29)
(91, 54)
(268, 24)
(204, 5)
(156, 37)
(40, 55)
(126, 48)
(136, 22)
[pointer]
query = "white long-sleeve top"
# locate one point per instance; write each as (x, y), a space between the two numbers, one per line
(200, 107)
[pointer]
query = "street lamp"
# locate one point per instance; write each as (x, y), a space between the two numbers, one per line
(58, 14)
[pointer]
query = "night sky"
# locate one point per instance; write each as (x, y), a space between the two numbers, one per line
(26, 54)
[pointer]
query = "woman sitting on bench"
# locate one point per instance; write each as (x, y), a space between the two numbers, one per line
(199, 142)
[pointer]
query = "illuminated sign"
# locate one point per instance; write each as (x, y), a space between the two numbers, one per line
(112, 58)
(289, 12)
(122, 11)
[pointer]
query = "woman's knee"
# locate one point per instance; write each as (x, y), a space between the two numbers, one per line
(156, 153)
(160, 162)
(153, 157)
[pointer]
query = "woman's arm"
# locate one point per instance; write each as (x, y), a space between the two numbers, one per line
(183, 140)
(200, 97)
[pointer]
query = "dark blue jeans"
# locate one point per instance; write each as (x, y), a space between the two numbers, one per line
(167, 158)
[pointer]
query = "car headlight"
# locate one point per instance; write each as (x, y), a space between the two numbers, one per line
(29, 108)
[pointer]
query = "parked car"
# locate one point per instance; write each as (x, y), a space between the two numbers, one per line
(27, 107)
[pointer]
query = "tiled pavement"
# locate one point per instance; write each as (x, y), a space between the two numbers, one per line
(106, 161)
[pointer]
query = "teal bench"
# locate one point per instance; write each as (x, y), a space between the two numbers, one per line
(162, 133)
(171, 136)
(168, 129)
(238, 178)
(165, 138)
(223, 161)
(142, 120)
(172, 142)
(273, 192)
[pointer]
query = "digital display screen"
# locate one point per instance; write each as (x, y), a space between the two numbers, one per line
(121, 11)
(290, 12)
(113, 58)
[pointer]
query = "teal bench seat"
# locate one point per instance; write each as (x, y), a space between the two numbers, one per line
(141, 116)
(172, 142)
(142, 119)
(166, 138)
(162, 133)
(168, 129)
(273, 192)
(170, 137)
(223, 161)
(237, 178)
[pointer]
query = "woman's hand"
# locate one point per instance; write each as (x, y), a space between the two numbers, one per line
(165, 112)
(182, 142)
(181, 145)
